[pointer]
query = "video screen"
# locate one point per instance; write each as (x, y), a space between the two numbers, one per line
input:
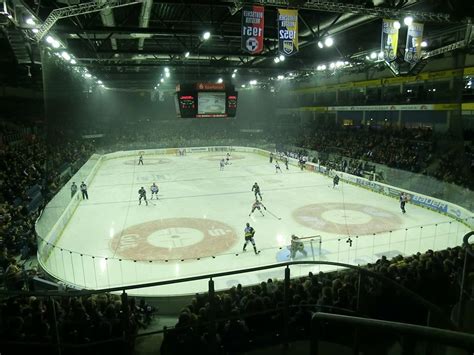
(211, 103)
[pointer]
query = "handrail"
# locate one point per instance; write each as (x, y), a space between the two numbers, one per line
(436, 335)
(414, 296)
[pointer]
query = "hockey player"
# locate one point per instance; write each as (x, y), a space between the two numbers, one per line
(286, 163)
(403, 201)
(83, 187)
(296, 245)
(249, 233)
(271, 158)
(222, 164)
(142, 195)
(277, 167)
(301, 163)
(256, 206)
(335, 181)
(256, 190)
(140, 159)
(73, 189)
(154, 191)
(227, 159)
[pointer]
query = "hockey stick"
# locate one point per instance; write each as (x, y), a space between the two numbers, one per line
(279, 218)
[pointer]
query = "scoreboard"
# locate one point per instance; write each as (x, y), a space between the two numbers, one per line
(202, 100)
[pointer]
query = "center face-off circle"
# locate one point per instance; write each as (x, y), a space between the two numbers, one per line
(173, 238)
(349, 218)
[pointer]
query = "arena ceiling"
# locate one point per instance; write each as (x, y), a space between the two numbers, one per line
(128, 46)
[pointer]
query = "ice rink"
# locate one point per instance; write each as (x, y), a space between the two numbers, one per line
(197, 224)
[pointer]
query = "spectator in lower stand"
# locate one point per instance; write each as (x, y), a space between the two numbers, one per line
(13, 276)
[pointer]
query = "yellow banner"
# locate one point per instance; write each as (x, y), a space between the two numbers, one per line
(287, 31)
(389, 43)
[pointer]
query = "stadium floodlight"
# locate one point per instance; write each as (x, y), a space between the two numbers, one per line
(35, 30)
(242, 86)
(373, 55)
(99, 82)
(30, 21)
(323, 67)
(53, 42)
(424, 44)
(381, 55)
(206, 35)
(276, 60)
(167, 70)
(320, 44)
(328, 42)
(280, 77)
(87, 75)
(235, 70)
(253, 82)
(282, 58)
(332, 65)
(167, 74)
(73, 61)
(66, 56)
(220, 80)
(339, 64)
(186, 54)
(408, 20)
(233, 75)
(162, 80)
(397, 25)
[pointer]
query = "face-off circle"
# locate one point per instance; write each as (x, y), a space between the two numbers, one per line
(148, 161)
(173, 238)
(216, 157)
(349, 218)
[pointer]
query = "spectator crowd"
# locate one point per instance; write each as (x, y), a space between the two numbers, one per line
(256, 316)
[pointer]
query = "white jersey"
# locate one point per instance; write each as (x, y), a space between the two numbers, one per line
(154, 188)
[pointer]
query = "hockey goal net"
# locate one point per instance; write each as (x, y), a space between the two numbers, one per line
(306, 248)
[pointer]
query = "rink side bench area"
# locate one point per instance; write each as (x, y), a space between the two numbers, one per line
(50, 232)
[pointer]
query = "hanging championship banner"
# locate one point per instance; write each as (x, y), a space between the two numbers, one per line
(252, 29)
(413, 46)
(389, 40)
(287, 31)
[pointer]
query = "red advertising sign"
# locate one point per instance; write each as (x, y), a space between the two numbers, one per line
(210, 86)
(252, 29)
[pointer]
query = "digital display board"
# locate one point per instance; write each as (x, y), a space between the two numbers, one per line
(211, 103)
(202, 100)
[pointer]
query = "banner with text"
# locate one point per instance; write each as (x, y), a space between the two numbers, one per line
(413, 46)
(287, 31)
(389, 40)
(252, 29)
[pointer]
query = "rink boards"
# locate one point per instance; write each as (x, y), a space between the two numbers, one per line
(196, 226)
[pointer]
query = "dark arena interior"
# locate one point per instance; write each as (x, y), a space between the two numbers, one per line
(237, 177)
